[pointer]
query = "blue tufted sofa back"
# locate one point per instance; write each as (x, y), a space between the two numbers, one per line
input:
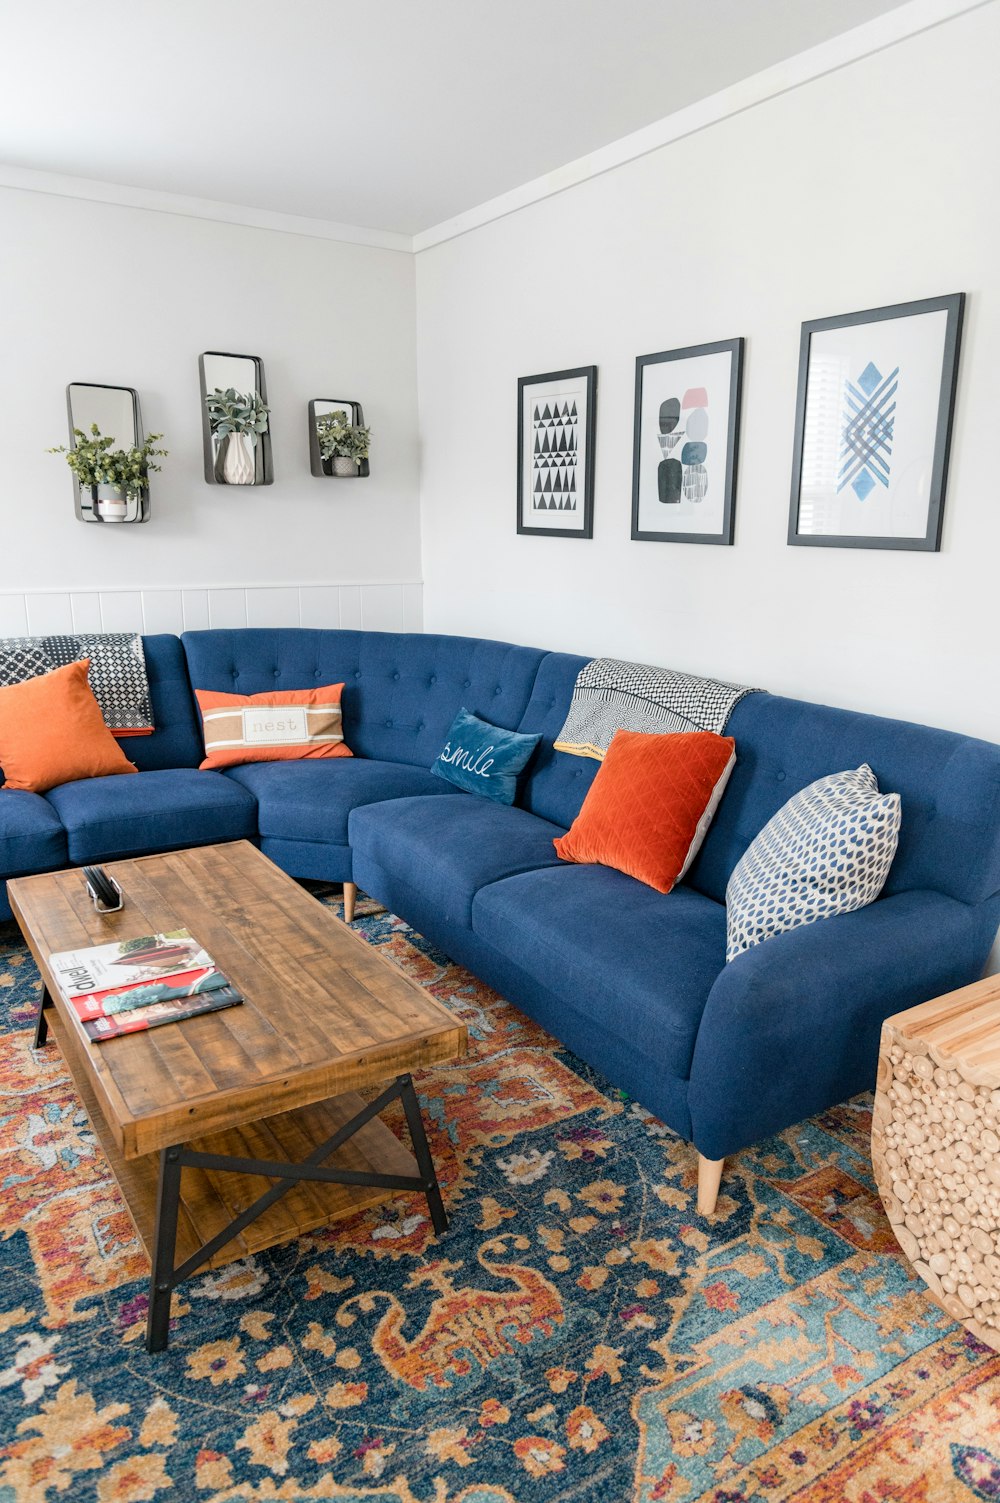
(176, 740)
(949, 786)
(401, 690)
(555, 784)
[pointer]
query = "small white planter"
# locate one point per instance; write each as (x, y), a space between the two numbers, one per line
(344, 466)
(111, 504)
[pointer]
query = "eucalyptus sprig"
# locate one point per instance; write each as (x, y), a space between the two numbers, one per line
(341, 439)
(95, 461)
(233, 411)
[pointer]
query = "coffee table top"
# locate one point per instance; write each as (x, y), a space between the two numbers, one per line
(324, 1012)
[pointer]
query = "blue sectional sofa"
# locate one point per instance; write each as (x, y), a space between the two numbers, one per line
(634, 982)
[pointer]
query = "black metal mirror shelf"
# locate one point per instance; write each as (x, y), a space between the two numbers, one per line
(114, 411)
(235, 419)
(336, 434)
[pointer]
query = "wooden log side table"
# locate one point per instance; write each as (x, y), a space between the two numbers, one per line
(936, 1148)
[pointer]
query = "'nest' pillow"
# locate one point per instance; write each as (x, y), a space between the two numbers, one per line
(279, 726)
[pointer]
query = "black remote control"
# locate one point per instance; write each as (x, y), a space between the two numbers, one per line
(103, 891)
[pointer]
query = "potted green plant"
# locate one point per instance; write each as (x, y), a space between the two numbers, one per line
(236, 419)
(342, 444)
(116, 478)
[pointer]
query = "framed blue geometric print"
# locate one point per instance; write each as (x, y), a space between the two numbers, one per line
(873, 421)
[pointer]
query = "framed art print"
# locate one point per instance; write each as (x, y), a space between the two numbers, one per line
(873, 426)
(556, 423)
(687, 419)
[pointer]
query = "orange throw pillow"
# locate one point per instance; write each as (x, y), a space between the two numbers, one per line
(649, 808)
(284, 725)
(52, 731)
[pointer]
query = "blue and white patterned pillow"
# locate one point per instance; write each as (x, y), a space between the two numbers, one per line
(827, 851)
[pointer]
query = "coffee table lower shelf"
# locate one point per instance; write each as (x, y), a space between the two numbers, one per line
(211, 1198)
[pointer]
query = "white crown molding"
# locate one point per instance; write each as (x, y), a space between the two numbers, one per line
(885, 31)
(64, 186)
(839, 52)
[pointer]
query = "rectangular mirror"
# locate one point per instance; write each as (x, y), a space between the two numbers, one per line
(115, 412)
(329, 452)
(235, 417)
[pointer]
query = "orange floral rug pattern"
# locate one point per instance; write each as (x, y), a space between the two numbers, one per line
(579, 1334)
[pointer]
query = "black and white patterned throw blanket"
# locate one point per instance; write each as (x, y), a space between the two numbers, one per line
(613, 696)
(117, 672)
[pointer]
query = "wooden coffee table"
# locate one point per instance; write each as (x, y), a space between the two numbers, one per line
(266, 1090)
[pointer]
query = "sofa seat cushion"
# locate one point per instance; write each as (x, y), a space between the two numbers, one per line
(153, 811)
(32, 838)
(312, 800)
(448, 848)
(639, 963)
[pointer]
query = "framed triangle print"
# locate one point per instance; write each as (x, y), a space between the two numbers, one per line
(556, 424)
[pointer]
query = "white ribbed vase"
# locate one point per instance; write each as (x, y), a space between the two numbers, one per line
(237, 464)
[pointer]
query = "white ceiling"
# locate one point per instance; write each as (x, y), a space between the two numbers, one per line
(391, 114)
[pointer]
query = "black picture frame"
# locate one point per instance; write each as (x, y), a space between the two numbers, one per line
(588, 375)
(953, 306)
(735, 348)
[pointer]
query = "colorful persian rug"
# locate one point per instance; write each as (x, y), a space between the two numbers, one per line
(579, 1334)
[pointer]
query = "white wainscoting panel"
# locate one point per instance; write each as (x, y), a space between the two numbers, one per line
(350, 606)
(194, 606)
(48, 614)
(390, 606)
(162, 610)
(86, 610)
(122, 611)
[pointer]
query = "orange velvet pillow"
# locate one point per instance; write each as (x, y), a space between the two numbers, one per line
(52, 731)
(282, 725)
(649, 808)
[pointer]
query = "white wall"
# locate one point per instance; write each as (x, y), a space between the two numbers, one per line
(874, 185)
(98, 292)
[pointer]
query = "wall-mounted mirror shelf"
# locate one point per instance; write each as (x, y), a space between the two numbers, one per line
(115, 412)
(338, 438)
(235, 419)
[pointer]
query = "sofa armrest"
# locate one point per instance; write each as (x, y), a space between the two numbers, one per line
(792, 1026)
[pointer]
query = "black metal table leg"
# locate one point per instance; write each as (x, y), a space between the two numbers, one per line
(422, 1153)
(166, 1275)
(42, 1022)
(164, 1244)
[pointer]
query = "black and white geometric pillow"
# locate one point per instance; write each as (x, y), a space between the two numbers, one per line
(827, 851)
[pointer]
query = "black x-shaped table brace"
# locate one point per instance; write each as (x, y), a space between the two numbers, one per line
(166, 1277)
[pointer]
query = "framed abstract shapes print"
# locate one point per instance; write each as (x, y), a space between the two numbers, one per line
(873, 426)
(687, 419)
(556, 423)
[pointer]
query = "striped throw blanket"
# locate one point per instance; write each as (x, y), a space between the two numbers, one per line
(117, 672)
(613, 696)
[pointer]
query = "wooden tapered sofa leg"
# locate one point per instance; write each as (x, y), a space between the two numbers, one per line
(350, 898)
(709, 1179)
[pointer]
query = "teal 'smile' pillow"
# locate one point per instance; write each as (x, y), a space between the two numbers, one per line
(484, 759)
